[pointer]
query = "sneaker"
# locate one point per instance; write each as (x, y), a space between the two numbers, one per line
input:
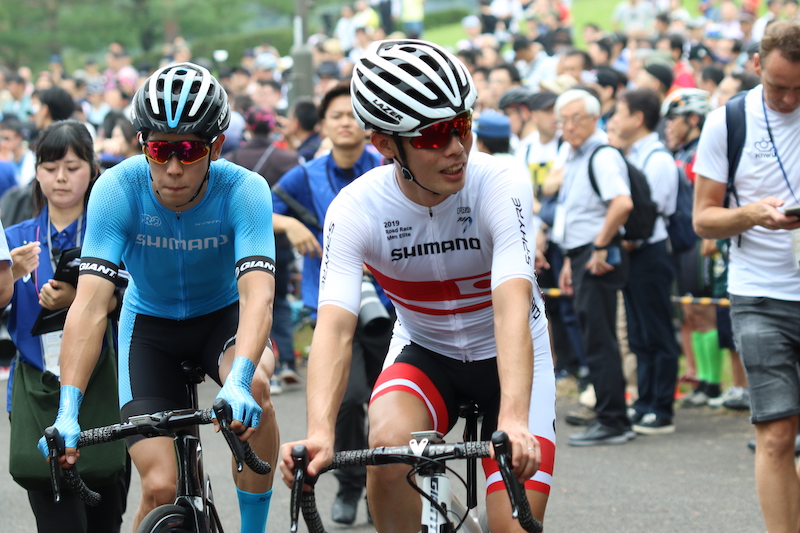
(633, 415)
(733, 393)
(581, 416)
(739, 402)
(696, 399)
(5, 372)
(288, 374)
(275, 386)
(597, 434)
(650, 424)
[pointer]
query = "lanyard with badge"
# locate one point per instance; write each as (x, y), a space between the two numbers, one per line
(51, 342)
(795, 232)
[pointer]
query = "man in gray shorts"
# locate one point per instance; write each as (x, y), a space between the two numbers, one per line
(764, 276)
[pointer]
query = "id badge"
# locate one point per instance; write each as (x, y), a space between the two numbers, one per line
(796, 247)
(51, 348)
(559, 224)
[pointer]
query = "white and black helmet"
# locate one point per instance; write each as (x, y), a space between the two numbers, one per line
(181, 98)
(403, 86)
(686, 101)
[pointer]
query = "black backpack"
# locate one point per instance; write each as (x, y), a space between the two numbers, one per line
(642, 218)
(736, 123)
(679, 224)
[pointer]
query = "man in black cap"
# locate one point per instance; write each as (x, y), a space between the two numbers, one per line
(606, 82)
(700, 56)
(655, 76)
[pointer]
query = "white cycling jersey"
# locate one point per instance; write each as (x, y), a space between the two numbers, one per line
(438, 265)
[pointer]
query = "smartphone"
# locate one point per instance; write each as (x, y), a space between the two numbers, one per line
(613, 257)
(792, 211)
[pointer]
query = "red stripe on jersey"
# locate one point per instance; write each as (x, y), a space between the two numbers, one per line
(440, 312)
(408, 378)
(436, 291)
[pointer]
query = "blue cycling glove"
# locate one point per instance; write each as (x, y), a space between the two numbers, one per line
(69, 404)
(236, 392)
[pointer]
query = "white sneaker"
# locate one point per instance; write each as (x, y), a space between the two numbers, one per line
(733, 393)
(288, 374)
(5, 372)
(275, 386)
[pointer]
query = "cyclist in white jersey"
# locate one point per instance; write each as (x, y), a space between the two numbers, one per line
(449, 236)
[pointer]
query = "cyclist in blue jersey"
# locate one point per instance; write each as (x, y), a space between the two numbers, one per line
(194, 233)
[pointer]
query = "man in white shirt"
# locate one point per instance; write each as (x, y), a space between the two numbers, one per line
(587, 227)
(648, 304)
(764, 278)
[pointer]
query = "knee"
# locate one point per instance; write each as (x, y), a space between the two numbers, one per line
(158, 488)
(777, 440)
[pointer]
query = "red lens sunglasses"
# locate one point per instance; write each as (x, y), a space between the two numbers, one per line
(438, 135)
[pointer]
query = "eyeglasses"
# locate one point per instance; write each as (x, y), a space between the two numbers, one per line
(438, 135)
(576, 120)
(187, 151)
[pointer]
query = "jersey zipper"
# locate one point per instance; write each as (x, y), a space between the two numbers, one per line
(181, 262)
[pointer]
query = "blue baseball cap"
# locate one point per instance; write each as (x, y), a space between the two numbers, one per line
(493, 125)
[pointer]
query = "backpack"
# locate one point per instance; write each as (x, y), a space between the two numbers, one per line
(642, 218)
(736, 123)
(679, 224)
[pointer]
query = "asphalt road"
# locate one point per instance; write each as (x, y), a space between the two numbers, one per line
(699, 479)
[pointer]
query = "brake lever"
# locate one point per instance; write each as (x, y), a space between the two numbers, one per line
(301, 478)
(224, 413)
(56, 447)
(300, 458)
(502, 453)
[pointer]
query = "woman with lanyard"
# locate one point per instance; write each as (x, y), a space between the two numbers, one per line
(65, 171)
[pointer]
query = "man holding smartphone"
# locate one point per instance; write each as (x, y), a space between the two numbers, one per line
(764, 275)
(587, 226)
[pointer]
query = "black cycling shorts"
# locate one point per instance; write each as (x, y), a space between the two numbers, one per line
(158, 349)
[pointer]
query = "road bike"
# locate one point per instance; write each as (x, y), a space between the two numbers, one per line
(193, 510)
(427, 454)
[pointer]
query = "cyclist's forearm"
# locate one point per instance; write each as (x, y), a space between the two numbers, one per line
(82, 340)
(514, 349)
(256, 294)
(328, 369)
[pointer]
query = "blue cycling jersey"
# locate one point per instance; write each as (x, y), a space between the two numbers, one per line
(181, 265)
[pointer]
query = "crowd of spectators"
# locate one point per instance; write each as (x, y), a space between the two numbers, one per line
(522, 54)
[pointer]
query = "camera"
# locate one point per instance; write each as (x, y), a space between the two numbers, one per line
(372, 315)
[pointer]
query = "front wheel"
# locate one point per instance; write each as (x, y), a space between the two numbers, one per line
(166, 519)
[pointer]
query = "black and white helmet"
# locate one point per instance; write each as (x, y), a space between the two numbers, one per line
(406, 85)
(181, 98)
(686, 101)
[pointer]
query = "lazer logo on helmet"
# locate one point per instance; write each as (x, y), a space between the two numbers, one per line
(181, 244)
(388, 110)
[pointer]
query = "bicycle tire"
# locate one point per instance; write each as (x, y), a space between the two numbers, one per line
(166, 519)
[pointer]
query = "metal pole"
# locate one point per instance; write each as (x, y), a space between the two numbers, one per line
(301, 81)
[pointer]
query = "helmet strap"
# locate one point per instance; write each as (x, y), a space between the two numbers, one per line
(407, 175)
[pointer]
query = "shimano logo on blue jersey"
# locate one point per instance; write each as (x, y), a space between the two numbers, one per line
(181, 244)
(264, 264)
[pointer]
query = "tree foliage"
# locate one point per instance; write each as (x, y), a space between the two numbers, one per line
(32, 30)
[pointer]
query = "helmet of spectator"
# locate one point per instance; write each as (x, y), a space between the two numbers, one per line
(686, 101)
(404, 86)
(181, 98)
(518, 96)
